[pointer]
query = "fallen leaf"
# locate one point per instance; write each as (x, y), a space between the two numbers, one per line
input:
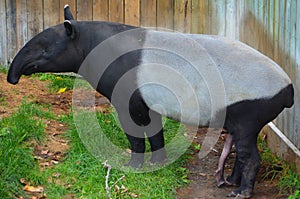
(23, 181)
(133, 195)
(44, 152)
(62, 90)
(124, 191)
(56, 175)
(38, 189)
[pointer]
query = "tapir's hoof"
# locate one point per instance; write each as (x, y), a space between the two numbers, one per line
(158, 162)
(235, 195)
(136, 161)
(158, 157)
(134, 165)
(221, 183)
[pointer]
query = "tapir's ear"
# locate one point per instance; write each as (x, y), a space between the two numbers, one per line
(67, 13)
(70, 29)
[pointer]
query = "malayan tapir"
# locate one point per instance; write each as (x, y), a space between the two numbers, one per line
(252, 88)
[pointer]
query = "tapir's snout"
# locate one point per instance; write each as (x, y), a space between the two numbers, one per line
(12, 78)
(15, 71)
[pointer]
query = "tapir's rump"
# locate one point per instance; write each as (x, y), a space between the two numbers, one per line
(181, 73)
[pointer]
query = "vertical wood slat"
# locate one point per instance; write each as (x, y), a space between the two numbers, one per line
(3, 33)
(73, 8)
(11, 25)
(199, 16)
(148, 13)
(116, 11)
(35, 18)
(51, 13)
(231, 19)
(132, 12)
(182, 15)
(85, 10)
(165, 11)
(217, 17)
(297, 79)
(100, 10)
(21, 23)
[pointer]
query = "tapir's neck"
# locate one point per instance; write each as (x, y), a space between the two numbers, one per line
(93, 33)
(103, 44)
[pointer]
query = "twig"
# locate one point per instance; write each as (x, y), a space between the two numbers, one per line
(106, 165)
(117, 181)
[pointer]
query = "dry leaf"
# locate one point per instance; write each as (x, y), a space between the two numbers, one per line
(56, 175)
(124, 191)
(23, 181)
(133, 195)
(44, 152)
(38, 189)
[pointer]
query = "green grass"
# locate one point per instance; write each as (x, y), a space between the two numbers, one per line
(57, 82)
(86, 174)
(3, 69)
(81, 174)
(15, 149)
(288, 179)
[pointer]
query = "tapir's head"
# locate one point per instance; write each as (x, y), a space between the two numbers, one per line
(53, 50)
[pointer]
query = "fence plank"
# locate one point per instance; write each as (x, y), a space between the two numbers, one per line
(218, 17)
(199, 16)
(21, 23)
(100, 10)
(35, 18)
(231, 19)
(148, 13)
(116, 11)
(132, 12)
(3, 34)
(85, 10)
(182, 15)
(51, 13)
(165, 14)
(297, 80)
(73, 8)
(11, 25)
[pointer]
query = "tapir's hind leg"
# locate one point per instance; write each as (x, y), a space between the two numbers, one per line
(247, 161)
(225, 152)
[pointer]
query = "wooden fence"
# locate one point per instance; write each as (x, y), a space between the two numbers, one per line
(271, 26)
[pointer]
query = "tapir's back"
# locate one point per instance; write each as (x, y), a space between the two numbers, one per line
(192, 77)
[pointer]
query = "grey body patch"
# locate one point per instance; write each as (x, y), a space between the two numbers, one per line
(191, 78)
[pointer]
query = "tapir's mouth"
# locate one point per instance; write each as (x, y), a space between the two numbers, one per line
(29, 69)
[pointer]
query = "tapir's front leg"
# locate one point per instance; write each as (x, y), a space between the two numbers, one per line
(137, 151)
(225, 152)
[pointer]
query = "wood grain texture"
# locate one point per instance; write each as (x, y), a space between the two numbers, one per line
(21, 10)
(11, 25)
(85, 10)
(51, 13)
(100, 10)
(182, 15)
(132, 12)
(3, 34)
(116, 11)
(148, 13)
(165, 12)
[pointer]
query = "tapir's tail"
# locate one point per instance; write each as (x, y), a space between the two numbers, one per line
(289, 95)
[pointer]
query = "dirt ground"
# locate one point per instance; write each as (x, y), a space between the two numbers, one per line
(201, 170)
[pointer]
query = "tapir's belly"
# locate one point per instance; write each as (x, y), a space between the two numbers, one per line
(192, 78)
